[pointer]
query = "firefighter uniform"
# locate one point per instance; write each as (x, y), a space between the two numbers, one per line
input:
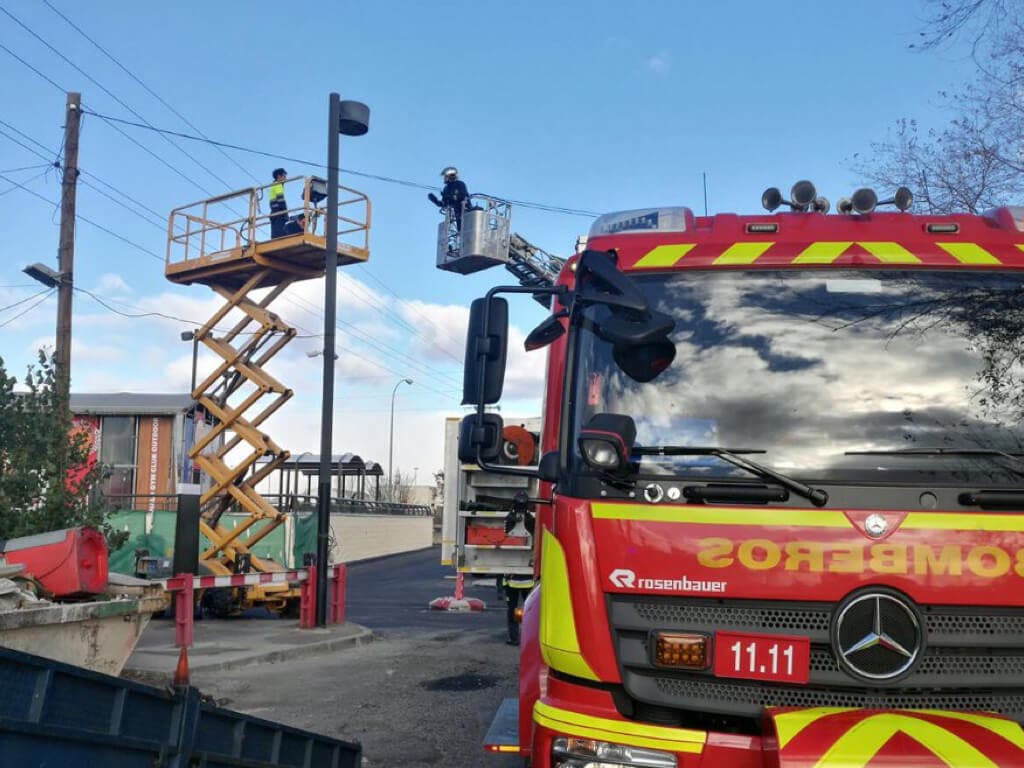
(278, 206)
(516, 589)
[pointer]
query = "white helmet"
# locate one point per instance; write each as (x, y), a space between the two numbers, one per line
(449, 173)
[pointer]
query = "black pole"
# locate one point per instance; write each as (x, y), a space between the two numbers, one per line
(323, 531)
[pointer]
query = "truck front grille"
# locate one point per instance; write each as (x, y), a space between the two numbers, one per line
(974, 658)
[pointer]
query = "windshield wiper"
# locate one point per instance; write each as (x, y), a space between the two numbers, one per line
(816, 496)
(1017, 457)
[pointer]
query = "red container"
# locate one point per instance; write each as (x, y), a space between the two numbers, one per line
(484, 534)
(67, 563)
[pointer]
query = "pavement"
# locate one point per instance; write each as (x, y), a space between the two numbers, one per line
(420, 695)
(230, 644)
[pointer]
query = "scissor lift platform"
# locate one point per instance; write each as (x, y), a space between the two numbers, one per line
(225, 241)
(227, 244)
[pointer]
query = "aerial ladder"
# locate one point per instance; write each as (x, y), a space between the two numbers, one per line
(225, 243)
(484, 239)
(475, 539)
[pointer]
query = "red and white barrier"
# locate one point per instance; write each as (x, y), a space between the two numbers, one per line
(183, 587)
(458, 603)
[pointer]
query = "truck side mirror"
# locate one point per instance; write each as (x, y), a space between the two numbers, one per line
(486, 350)
(480, 437)
(643, 362)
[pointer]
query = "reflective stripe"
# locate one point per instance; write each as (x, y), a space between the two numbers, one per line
(743, 253)
(831, 736)
(956, 521)
(559, 645)
(664, 255)
(520, 583)
(858, 746)
(890, 253)
(772, 517)
(821, 253)
(570, 723)
(969, 253)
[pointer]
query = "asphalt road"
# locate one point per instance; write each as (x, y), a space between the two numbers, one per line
(421, 695)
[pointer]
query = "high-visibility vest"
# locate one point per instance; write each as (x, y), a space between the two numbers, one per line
(277, 193)
(519, 582)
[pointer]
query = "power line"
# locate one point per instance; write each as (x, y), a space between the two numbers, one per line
(314, 164)
(26, 168)
(127, 207)
(56, 164)
(27, 181)
(381, 346)
(110, 232)
(27, 298)
(148, 90)
(107, 91)
(45, 77)
(56, 155)
(408, 304)
(25, 311)
(146, 313)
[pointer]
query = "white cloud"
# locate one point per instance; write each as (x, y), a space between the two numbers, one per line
(110, 284)
(660, 63)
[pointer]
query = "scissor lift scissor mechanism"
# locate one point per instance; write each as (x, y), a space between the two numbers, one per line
(225, 243)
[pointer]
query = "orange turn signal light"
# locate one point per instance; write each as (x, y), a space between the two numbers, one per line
(682, 651)
(517, 615)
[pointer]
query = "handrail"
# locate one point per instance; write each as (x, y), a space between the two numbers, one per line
(195, 232)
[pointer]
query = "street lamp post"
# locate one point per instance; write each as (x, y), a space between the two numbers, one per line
(194, 338)
(351, 118)
(391, 438)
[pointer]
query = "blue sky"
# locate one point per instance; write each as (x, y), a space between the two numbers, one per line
(597, 106)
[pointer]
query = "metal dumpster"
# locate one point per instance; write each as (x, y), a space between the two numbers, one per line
(54, 714)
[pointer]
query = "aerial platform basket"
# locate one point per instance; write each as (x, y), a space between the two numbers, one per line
(226, 240)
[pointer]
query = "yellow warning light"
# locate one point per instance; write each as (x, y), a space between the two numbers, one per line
(687, 651)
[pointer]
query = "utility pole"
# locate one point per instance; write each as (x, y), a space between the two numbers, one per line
(66, 248)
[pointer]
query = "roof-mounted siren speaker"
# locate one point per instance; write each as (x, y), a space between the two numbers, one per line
(844, 206)
(864, 200)
(802, 195)
(903, 198)
(771, 199)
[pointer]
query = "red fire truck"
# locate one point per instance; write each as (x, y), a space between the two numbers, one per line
(783, 509)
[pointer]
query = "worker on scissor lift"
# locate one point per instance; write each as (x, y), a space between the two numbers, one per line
(454, 196)
(296, 226)
(278, 206)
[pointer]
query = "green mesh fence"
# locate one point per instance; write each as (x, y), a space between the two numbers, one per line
(160, 540)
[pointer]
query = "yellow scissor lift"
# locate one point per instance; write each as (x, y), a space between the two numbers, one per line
(225, 242)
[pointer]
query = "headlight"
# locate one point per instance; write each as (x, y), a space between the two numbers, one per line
(600, 453)
(572, 752)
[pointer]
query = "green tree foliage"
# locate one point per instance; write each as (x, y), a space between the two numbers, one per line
(38, 450)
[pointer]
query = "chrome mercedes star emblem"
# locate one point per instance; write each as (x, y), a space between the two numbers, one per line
(875, 525)
(877, 636)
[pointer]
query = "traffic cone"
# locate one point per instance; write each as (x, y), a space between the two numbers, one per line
(181, 677)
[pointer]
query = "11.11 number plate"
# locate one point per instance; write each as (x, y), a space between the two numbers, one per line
(780, 658)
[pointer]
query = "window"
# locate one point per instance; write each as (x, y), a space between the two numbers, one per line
(117, 453)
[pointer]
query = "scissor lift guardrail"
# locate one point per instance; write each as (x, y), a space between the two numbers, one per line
(207, 243)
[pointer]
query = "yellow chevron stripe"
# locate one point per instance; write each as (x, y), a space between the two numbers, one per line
(622, 732)
(703, 515)
(789, 724)
(969, 253)
(663, 256)
(742, 253)
(890, 253)
(821, 253)
(1007, 729)
(857, 747)
(1021, 246)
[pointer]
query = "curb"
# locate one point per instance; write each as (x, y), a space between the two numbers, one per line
(363, 636)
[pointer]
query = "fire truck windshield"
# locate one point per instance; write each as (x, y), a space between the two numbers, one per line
(855, 376)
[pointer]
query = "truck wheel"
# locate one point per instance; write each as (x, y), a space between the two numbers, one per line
(218, 603)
